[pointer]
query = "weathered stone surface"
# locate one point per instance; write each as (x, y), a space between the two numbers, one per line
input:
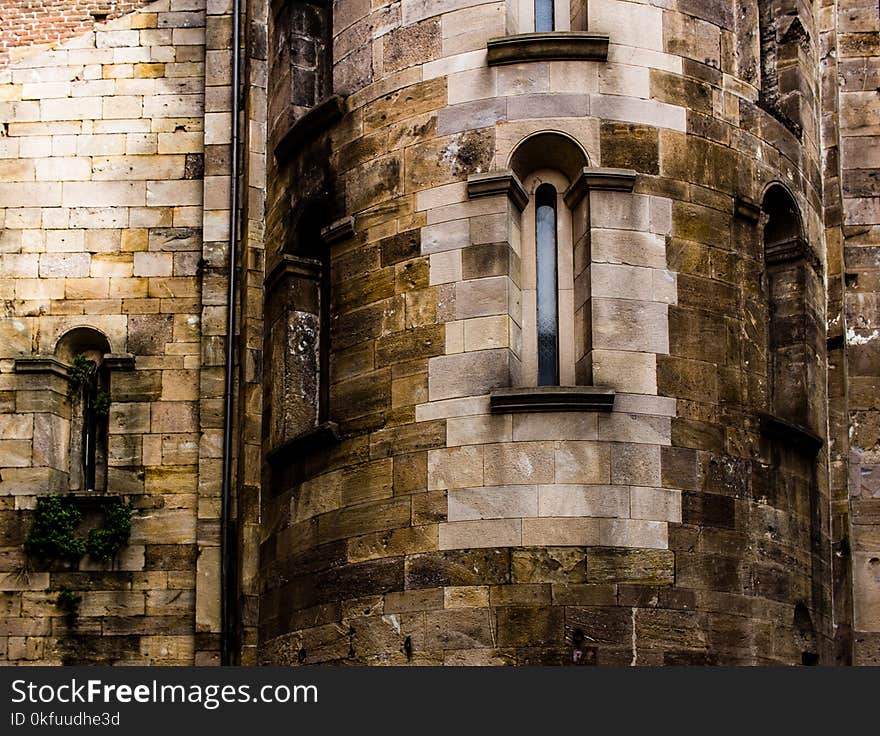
(652, 567)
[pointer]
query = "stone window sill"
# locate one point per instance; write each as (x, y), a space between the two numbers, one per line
(309, 126)
(554, 46)
(790, 433)
(324, 435)
(551, 399)
(50, 364)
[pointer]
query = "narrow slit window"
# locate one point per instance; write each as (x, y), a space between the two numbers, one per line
(544, 12)
(90, 426)
(547, 286)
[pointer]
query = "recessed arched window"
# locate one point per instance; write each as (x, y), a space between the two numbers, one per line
(544, 16)
(555, 344)
(793, 330)
(83, 350)
(547, 285)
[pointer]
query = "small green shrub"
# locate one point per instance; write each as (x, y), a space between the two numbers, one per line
(101, 405)
(80, 373)
(103, 544)
(52, 535)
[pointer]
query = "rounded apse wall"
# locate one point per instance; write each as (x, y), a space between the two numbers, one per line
(430, 498)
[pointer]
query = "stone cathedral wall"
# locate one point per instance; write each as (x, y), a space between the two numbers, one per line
(413, 522)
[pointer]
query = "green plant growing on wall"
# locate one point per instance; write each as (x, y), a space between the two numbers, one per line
(103, 544)
(101, 404)
(68, 602)
(53, 534)
(80, 371)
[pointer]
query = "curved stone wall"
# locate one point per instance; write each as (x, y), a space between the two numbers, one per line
(416, 518)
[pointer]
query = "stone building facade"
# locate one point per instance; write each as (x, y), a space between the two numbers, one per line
(556, 331)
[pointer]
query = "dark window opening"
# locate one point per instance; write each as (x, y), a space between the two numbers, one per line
(83, 350)
(782, 37)
(93, 400)
(547, 286)
(794, 328)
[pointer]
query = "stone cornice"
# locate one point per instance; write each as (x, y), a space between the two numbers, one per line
(119, 361)
(599, 179)
(290, 265)
(496, 183)
(338, 231)
(553, 46)
(317, 120)
(790, 433)
(323, 435)
(746, 209)
(51, 364)
(786, 251)
(42, 364)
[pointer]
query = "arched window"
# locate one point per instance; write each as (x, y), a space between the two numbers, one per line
(547, 285)
(83, 349)
(544, 12)
(793, 329)
(556, 344)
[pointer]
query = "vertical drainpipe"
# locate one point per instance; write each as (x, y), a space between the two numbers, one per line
(227, 546)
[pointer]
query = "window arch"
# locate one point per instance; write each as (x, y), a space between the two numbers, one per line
(793, 327)
(555, 343)
(84, 349)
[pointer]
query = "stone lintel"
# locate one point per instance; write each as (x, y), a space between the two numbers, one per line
(338, 231)
(93, 500)
(746, 209)
(119, 361)
(290, 265)
(323, 435)
(496, 183)
(316, 121)
(553, 46)
(551, 398)
(790, 433)
(599, 179)
(42, 364)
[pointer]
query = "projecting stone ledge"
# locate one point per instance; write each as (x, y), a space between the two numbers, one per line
(554, 46)
(498, 182)
(316, 121)
(324, 435)
(599, 179)
(551, 398)
(790, 433)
